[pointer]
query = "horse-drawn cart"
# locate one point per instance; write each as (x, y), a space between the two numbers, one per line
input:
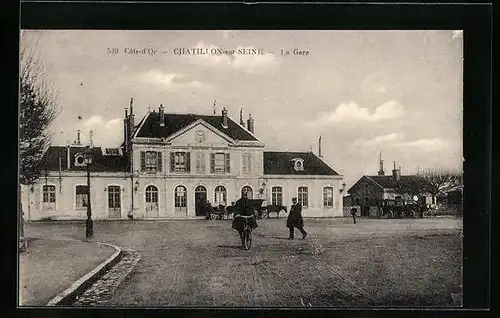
(409, 209)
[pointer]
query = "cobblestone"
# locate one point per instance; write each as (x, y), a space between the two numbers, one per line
(101, 291)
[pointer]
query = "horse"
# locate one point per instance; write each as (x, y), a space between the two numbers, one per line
(275, 208)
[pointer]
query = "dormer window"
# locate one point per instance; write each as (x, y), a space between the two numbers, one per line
(298, 164)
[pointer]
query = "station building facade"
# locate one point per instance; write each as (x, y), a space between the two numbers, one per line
(169, 165)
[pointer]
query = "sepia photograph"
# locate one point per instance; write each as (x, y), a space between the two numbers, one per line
(241, 168)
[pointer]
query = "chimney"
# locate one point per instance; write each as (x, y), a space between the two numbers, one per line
(78, 137)
(224, 117)
(91, 133)
(131, 117)
(242, 123)
(162, 116)
(396, 173)
(250, 123)
(381, 165)
(126, 131)
(319, 148)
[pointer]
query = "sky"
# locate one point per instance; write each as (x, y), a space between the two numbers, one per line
(364, 92)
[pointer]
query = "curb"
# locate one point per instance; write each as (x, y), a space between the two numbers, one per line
(67, 297)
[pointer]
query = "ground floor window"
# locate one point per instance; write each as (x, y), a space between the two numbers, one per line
(180, 197)
(81, 197)
(220, 196)
(302, 197)
(49, 194)
(277, 196)
(328, 197)
(248, 191)
(114, 197)
(151, 194)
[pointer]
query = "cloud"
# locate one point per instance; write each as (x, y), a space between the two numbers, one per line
(397, 140)
(380, 139)
(93, 121)
(113, 122)
(430, 144)
(351, 111)
(170, 80)
(105, 132)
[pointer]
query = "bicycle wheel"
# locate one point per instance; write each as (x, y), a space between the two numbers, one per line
(248, 238)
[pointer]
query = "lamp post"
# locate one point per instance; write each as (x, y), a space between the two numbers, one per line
(89, 226)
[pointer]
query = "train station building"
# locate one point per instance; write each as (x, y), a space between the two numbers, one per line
(170, 164)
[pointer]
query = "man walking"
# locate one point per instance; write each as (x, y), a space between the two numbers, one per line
(353, 213)
(295, 219)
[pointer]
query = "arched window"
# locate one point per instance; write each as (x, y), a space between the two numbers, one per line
(49, 194)
(151, 194)
(220, 196)
(180, 197)
(277, 196)
(248, 191)
(328, 197)
(302, 196)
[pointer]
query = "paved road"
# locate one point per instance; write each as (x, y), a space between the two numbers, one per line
(200, 263)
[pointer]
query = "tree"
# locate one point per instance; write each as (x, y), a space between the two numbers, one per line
(38, 107)
(440, 180)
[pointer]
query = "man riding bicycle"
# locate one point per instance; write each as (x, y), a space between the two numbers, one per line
(243, 208)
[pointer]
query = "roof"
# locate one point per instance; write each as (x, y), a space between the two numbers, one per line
(175, 122)
(100, 163)
(389, 182)
(281, 163)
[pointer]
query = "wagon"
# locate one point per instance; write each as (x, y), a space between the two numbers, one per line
(400, 210)
(215, 213)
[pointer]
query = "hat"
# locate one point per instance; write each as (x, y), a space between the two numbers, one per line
(294, 198)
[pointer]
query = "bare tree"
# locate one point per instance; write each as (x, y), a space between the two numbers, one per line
(440, 180)
(38, 107)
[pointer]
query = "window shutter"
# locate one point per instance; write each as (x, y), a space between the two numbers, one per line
(228, 162)
(188, 161)
(212, 162)
(172, 162)
(160, 162)
(143, 161)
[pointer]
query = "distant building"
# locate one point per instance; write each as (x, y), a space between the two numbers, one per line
(169, 165)
(379, 189)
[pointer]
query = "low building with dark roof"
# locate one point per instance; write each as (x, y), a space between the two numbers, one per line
(378, 190)
(169, 165)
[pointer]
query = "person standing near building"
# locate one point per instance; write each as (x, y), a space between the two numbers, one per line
(353, 213)
(295, 219)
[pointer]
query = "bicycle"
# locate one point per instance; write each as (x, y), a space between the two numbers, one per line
(246, 234)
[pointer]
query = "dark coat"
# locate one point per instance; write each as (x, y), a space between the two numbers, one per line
(242, 207)
(295, 217)
(354, 211)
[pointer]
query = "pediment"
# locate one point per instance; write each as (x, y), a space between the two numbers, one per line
(200, 134)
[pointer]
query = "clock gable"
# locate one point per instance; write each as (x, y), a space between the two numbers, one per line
(199, 135)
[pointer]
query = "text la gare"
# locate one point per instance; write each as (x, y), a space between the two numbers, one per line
(295, 52)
